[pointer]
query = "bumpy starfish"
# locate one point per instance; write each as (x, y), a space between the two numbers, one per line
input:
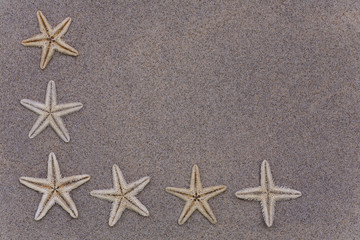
(55, 189)
(196, 197)
(267, 194)
(50, 39)
(51, 113)
(123, 195)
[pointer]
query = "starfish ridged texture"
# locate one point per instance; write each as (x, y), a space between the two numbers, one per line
(196, 197)
(50, 39)
(55, 189)
(51, 113)
(123, 195)
(267, 194)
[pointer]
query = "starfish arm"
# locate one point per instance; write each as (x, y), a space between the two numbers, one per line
(65, 201)
(266, 176)
(47, 201)
(195, 182)
(105, 194)
(281, 193)
(61, 28)
(69, 183)
(137, 186)
(59, 127)
(53, 169)
(34, 106)
(211, 192)
(50, 98)
(205, 210)
(41, 123)
(134, 204)
(189, 208)
(251, 193)
(118, 179)
(48, 51)
(268, 210)
(44, 25)
(36, 41)
(65, 48)
(37, 184)
(182, 193)
(67, 108)
(117, 209)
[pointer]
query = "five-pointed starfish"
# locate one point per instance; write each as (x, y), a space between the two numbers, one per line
(51, 113)
(267, 194)
(196, 197)
(50, 39)
(55, 189)
(123, 195)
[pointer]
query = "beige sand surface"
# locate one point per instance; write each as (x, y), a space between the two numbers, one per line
(169, 84)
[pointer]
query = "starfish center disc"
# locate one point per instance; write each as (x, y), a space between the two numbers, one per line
(51, 39)
(196, 197)
(120, 195)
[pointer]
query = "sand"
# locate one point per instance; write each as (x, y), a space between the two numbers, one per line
(166, 85)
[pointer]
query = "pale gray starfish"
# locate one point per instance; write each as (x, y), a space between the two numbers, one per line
(51, 113)
(267, 194)
(196, 197)
(123, 195)
(50, 39)
(55, 189)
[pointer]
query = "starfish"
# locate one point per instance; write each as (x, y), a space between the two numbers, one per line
(123, 195)
(196, 197)
(55, 189)
(50, 113)
(267, 194)
(50, 39)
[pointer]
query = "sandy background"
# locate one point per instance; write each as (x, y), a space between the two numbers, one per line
(166, 85)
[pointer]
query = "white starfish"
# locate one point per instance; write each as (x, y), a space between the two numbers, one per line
(267, 194)
(50, 39)
(196, 197)
(55, 189)
(123, 195)
(51, 113)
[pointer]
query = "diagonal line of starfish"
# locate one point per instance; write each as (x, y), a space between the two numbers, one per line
(196, 198)
(267, 194)
(50, 113)
(50, 39)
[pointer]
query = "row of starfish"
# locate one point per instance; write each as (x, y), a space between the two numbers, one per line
(56, 189)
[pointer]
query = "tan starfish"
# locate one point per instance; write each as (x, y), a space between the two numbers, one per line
(50, 39)
(196, 197)
(55, 189)
(123, 195)
(51, 113)
(267, 194)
